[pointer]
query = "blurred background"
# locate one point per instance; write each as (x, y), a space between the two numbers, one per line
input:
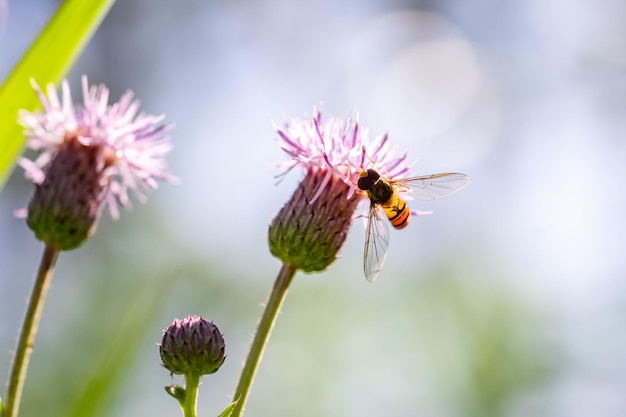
(508, 301)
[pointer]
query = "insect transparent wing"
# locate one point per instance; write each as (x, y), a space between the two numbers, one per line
(376, 244)
(432, 187)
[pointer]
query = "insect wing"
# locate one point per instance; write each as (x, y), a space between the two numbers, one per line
(432, 187)
(376, 244)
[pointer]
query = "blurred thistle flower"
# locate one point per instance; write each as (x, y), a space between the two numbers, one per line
(192, 346)
(309, 230)
(89, 155)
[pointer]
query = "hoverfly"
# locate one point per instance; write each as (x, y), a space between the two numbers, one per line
(384, 196)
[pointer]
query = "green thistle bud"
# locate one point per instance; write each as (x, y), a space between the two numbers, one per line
(65, 208)
(309, 230)
(192, 346)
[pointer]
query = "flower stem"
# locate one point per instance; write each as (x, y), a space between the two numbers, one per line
(192, 382)
(29, 330)
(276, 297)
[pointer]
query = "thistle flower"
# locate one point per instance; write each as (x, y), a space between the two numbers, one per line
(309, 230)
(90, 155)
(192, 346)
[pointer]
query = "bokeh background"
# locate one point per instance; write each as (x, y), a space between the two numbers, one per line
(507, 301)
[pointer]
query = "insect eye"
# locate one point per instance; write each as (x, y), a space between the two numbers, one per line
(365, 183)
(373, 175)
(368, 179)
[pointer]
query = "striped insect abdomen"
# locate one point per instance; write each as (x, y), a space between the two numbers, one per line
(397, 212)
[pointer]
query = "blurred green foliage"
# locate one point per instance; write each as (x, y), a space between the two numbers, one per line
(465, 346)
(488, 346)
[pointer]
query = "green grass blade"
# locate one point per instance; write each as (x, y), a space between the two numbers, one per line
(103, 383)
(47, 60)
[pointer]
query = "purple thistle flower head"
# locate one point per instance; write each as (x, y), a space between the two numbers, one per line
(89, 155)
(343, 167)
(132, 147)
(310, 229)
(338, 147)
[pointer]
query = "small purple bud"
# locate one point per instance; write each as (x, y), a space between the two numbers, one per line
(192, 346)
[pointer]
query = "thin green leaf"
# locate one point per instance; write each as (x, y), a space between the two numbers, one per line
(228, 410)
(177, 392)
(47, 60)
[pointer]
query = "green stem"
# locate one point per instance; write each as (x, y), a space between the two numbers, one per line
(29, 330)
(276, 298)
(192, 382)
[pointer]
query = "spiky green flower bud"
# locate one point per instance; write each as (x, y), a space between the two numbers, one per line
(64, 210)
(192, 346)
(309, 230)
